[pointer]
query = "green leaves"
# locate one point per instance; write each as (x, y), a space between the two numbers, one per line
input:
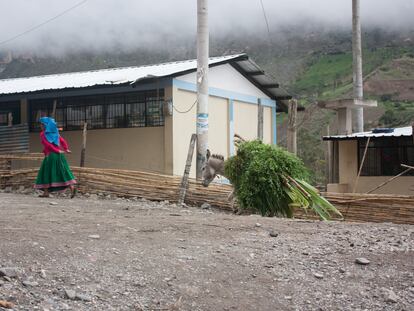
(272, 181)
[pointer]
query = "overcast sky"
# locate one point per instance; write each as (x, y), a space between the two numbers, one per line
(125, 24)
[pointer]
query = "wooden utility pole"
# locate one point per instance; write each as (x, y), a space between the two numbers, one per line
(202, 84)
(83, 151)
(292, 127)
(358, 112)
(260, 120)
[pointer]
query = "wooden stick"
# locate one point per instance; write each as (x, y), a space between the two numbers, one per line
(362, 164)
(407, 166)
(83, 151)
(391, 179)
(184, 180)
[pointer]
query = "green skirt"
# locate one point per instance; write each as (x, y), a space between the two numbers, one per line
(54, 173)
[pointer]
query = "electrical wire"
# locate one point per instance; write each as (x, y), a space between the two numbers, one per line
(270, 44)
(43, 23)
(188, 110)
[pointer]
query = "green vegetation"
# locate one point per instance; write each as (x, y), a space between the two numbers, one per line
(397, 114)
(330, 75)
(272, 181)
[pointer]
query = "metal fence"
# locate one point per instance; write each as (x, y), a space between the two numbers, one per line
(14, 139)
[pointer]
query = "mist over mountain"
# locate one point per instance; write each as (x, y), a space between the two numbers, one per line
(59, 28)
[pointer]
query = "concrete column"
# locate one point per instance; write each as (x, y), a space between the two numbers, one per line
(24, 111)
(168, 135)
(344, 121)
(358, 113)
(230, 121)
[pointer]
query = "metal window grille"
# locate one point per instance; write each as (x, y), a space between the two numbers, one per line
(139, 109)
(385, 156)
(9, 107)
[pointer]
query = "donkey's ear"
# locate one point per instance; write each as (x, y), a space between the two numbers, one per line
(208, 154)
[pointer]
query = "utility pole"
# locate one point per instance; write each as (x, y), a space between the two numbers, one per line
(292, 126)
(358, 112)
(202, 84)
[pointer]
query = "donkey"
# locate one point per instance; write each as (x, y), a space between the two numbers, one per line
(215, 163)
(215, 166)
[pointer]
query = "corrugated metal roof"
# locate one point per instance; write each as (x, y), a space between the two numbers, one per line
(131, 75)
(397, 132)
(111, 76)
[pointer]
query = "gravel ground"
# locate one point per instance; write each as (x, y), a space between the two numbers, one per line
(114, 254)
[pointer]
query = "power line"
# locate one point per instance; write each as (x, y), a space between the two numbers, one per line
(270, 45)
(43, 23)
(265, 17)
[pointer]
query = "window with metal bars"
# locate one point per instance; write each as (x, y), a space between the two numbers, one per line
(139, 109)
(8, 109)
(385, 156)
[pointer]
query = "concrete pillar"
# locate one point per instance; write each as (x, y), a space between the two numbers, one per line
(24, 111)
(168, 134)
(344, 121)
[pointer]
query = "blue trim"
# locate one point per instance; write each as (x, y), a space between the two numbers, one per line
(267, 102)
(274, 126)
(231, 127)
(192, 87)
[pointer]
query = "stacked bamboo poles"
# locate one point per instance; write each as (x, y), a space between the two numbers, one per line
(151, 186)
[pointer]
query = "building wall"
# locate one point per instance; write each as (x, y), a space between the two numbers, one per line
(124, 148)
(227, 78)
(245, 120)
(348, 171)
(267, 125)
(184, 125)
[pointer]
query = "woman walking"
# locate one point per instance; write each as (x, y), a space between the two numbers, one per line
(54, 173)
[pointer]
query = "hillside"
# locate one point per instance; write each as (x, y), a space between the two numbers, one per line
(312, 64)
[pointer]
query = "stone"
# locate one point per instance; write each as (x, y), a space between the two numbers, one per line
(53, 203)
(205, 206)
(273, 234)
(258, 224)
(318, 275)
(28, 283)
(362, 261)
(43, 274)
(83, 297)
(391, 297)
(8, 189)
(10, 272)
(94, 236)
(70, 294)
(342, 270)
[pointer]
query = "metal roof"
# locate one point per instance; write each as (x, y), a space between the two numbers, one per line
(134, 75)
(397, 132)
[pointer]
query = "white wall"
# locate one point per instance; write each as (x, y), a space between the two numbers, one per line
(227, 78)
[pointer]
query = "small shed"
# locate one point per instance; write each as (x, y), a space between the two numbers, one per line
(386, 150)
(142, 118)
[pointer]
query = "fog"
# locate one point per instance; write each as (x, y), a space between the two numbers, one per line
(108, 25)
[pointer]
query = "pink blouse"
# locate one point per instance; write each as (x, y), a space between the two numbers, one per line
(49, 147)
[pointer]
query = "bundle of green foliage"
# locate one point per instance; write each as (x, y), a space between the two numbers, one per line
(272, 181)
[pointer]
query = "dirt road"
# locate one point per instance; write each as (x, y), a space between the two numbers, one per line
(93, 254)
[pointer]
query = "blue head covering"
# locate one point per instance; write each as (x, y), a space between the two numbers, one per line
(51, 130)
